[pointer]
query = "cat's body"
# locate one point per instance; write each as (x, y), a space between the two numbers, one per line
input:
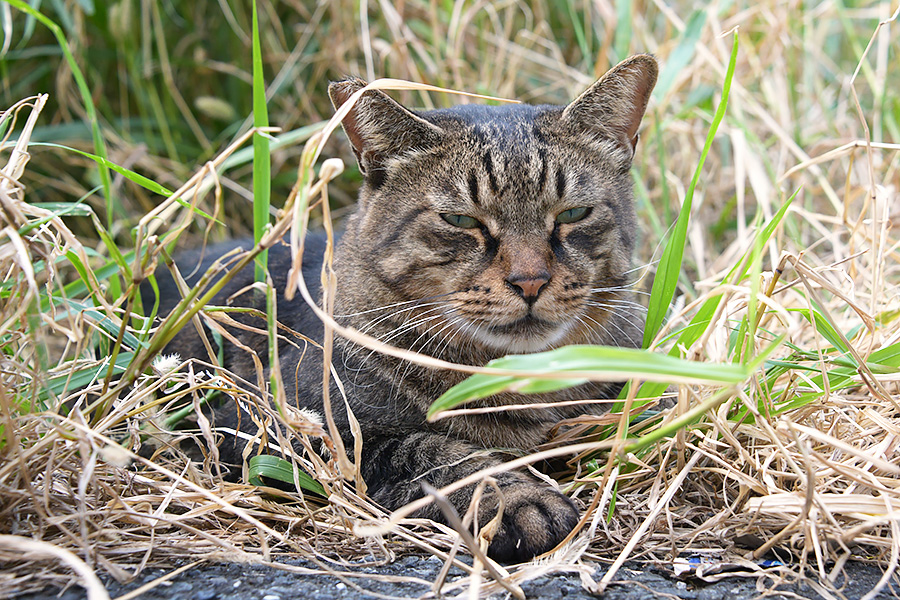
(480, 232)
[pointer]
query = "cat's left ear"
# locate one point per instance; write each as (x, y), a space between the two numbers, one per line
(379, 128)
(614, 106)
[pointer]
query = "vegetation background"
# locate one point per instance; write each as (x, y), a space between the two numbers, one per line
(800, 456)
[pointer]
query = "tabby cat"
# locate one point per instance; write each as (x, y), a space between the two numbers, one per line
(481, 231)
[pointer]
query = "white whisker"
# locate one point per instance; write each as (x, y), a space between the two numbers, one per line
(396, 304)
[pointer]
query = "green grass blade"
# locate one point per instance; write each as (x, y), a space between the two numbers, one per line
(104, 162)
(96, 134)
(825, 328)
(624, 27)
(262, 162)
(101, 320)
(598, 362)
(60, 385)
(669, 266)
(699, 323)
(679, 59)
(60, 209)
(697, 412)
(701, 320)
(115, 254)
(578, 28)
(889, 356)
(690, 334)
(290, 138)
(81, 286)
(273, 467)
(128, 174)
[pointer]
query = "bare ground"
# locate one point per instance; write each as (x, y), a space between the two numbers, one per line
(411, 577)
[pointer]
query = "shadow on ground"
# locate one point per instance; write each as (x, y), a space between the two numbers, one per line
(411, 577)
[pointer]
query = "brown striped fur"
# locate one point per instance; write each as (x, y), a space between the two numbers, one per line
(518, 281)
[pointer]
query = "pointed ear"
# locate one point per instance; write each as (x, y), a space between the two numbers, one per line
(379, 128)
(613, 107)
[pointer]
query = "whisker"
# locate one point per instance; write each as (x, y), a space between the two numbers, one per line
(368, 326)
(397, 379)
(645, 266)
(396, 304)
(620, 288)
(607, 332)
(430, 339)
(622, 303)
(624, 318)
(394, 333)
(421, 349)
(456, 332)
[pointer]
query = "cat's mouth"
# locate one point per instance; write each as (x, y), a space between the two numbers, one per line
(521, 336)
(525, 326)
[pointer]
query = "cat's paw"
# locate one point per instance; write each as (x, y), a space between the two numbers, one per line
(536, 518)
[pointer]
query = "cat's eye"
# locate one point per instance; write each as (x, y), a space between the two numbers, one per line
(573, 214)
(464, 221)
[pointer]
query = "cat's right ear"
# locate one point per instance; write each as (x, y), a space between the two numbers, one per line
(613, 107)
(379, 128)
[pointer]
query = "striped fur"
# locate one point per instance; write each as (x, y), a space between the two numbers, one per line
(521, 279)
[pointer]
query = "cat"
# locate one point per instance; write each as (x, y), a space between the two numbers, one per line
(480, 231)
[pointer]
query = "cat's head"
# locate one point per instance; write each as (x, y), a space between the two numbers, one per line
(512, 226)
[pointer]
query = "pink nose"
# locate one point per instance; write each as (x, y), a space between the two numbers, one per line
(529, 287)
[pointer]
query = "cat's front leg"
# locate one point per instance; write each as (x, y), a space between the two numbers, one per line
(535, 518)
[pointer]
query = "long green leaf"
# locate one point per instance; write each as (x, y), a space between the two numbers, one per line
(680, 57)
(825, 328)
(883, 361)
(137, 178)
(262, 166)
(578, 28)
(704, 314)
(701, 319)
(87, 308)
(60, 385)
(584, 363)
(669, 266)
(99, 143)
(59, 209)
(273, 467)
(624, 28)
(81, 286)
(289, 138)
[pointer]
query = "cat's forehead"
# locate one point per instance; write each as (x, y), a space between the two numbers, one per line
(495, 125)
(500, 162)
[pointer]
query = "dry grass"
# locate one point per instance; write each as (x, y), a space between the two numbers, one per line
(802, 459)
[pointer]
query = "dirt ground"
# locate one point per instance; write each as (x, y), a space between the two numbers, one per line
(411, 577)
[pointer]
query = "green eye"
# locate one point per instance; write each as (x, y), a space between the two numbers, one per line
(573, 214)
(464, 221)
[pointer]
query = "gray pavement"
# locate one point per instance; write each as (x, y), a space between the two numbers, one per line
(224, 581)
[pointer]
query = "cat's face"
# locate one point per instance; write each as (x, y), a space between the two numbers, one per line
(509, 228)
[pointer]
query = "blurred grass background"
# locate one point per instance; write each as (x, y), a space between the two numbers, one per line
(171, 83)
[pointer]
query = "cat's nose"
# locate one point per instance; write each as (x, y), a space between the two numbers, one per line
(529, 286)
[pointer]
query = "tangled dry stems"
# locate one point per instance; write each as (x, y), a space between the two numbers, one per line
(815, 482)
